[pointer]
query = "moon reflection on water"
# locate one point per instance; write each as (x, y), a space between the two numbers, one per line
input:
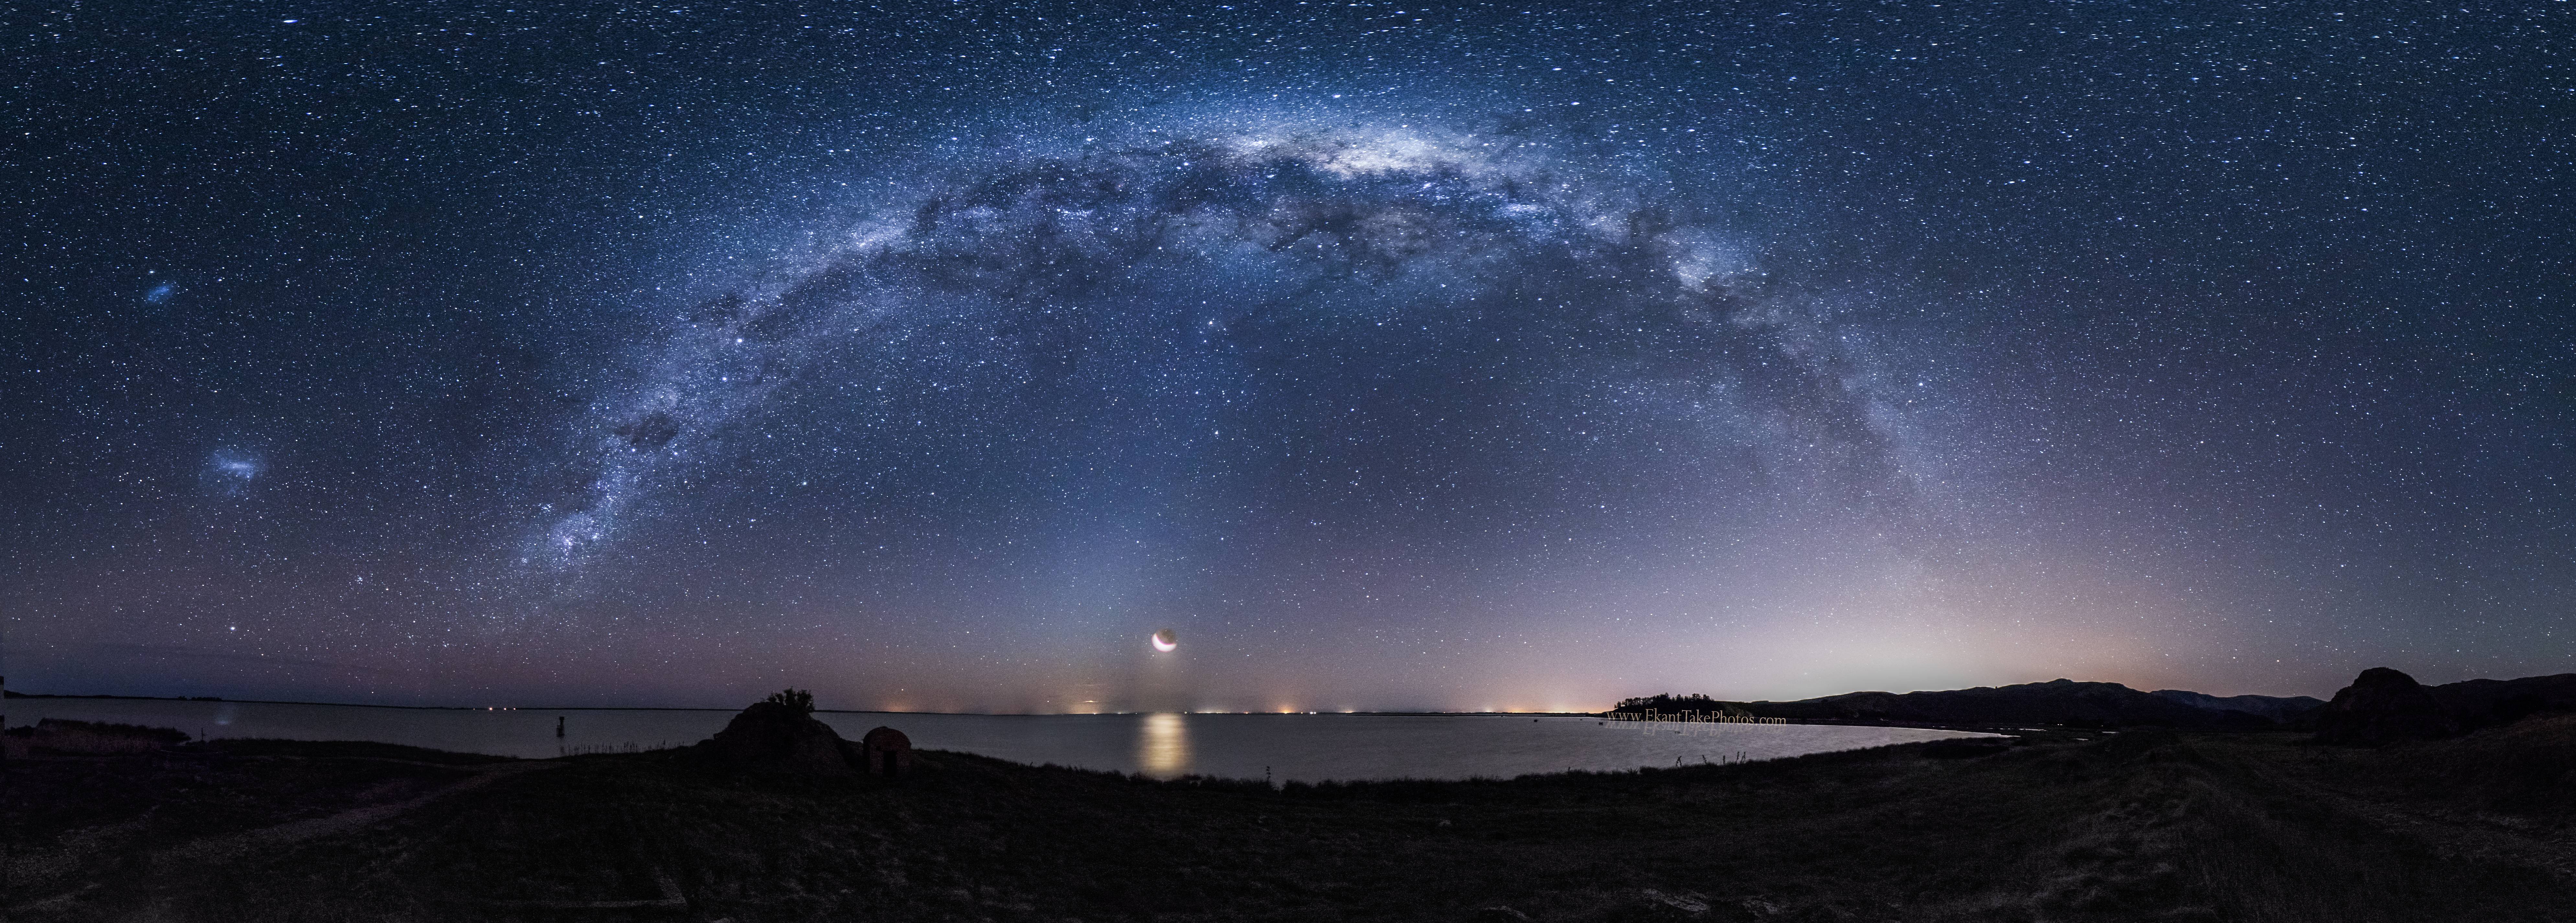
(1164, 747)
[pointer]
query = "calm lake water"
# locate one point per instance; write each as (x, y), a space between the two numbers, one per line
(1306, 748)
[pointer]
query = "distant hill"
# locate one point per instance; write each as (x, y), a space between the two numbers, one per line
(2274, 707)
(2447, 709)
(2482, 702)
(2058, 702)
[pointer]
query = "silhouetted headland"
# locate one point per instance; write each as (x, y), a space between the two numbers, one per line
(2063, 703)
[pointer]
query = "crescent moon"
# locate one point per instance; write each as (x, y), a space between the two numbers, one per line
(1165, 641)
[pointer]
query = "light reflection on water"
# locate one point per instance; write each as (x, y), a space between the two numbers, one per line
(1302, 748)
(1164, 748)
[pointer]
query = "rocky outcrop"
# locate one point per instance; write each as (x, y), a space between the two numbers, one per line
(2384, 706)
(776, 738)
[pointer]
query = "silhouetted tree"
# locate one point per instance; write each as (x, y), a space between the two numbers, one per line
(1669, 703)
(798, 699)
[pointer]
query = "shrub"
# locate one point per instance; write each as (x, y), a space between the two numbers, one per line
(798, 699)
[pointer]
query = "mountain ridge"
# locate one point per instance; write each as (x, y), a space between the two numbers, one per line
(2277, 708)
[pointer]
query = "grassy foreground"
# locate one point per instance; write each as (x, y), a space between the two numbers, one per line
(2147, 825)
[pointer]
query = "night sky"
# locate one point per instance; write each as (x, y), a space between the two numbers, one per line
(1510, 356)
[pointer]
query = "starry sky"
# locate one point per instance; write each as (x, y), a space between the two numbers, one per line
(931, 355)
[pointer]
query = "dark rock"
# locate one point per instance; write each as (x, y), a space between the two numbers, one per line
(2383, 706)
(771, 737)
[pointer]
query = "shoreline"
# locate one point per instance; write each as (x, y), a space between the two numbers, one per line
(2077, 828)
(1972, 727)
(13, 695)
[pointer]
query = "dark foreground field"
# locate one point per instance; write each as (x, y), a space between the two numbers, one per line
(2146, 825)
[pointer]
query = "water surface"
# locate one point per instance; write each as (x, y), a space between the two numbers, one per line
(1283, 747)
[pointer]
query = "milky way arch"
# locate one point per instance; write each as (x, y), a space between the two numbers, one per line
(1307, 319)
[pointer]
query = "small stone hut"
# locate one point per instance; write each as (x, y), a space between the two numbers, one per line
(885, 752)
